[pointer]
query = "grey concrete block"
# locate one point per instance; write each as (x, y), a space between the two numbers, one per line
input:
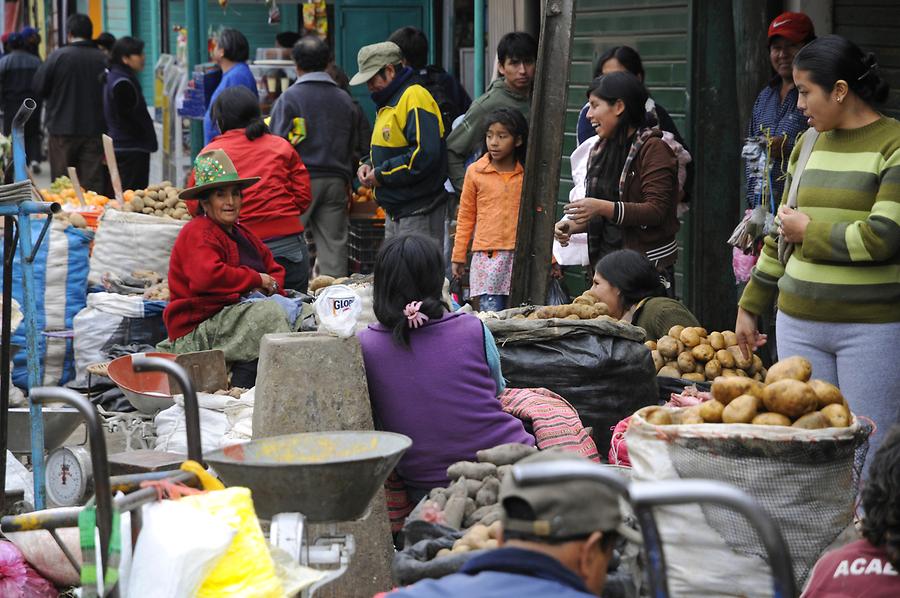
(311, 382)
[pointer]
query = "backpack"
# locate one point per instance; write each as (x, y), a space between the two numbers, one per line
(433, 79)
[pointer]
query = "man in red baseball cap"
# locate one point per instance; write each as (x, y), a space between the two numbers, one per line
(794, 26)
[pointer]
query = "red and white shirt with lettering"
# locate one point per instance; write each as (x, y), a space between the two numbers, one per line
(857, 569)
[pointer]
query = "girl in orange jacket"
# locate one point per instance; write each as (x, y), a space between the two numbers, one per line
(489, 209)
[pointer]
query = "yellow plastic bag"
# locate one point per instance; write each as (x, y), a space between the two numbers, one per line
(246, 570)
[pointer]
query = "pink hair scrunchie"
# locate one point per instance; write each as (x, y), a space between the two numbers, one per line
(414, 317)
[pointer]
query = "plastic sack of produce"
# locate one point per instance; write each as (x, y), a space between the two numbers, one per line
(422, 541)
(60, 275)
(127, 242)
(601, 367)
(113, 319)
(17, 578)
(806, 480)
(246, 570)
(220, 414)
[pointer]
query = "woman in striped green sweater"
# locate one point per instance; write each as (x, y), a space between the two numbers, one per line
(839, 293)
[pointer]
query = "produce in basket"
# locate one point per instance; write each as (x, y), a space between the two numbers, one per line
(693, 354)
(479, 537)
(789, 401)
(584, 307)
(157, 200)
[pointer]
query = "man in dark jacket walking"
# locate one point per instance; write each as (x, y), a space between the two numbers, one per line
(17, 71)
(70, 84)
(318, 118)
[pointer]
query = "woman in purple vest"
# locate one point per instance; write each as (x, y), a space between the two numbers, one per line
(433, 375)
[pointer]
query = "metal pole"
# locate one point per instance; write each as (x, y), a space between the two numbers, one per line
(9, 249)
(478, 67)
(537, 214)
(28, 304)
(195, 57)
(99, 461)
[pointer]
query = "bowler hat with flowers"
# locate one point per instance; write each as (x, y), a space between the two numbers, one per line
(214, 169)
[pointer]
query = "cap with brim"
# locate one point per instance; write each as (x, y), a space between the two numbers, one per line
(214, 169)
(795, 27)
(565, 510)
(373, 58)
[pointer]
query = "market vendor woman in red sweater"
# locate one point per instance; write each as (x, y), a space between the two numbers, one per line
(226, 288)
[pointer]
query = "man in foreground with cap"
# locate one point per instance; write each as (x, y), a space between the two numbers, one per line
(557, 541)
(407, 163)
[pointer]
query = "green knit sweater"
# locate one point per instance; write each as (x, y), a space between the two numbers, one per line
(848, 267)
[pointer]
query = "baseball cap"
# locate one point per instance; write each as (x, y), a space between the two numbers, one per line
(794, 26)
(28, 32)
(565, 510)
(373, 58)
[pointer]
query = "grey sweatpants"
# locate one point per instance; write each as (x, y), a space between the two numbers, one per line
(431, 225)
(861, 359)
(327, 219)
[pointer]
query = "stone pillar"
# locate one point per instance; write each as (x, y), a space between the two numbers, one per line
(312, 382)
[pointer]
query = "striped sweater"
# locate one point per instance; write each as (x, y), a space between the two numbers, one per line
(848, 267)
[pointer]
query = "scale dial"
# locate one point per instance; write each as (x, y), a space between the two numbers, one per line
(68, 476)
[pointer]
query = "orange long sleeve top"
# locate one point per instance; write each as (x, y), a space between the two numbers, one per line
(490, 199)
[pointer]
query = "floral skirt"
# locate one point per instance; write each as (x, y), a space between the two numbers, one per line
(491, 273)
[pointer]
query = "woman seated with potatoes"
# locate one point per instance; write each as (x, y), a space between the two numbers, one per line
(225, 286)
(633, 290)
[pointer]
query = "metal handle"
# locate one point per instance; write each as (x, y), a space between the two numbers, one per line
(142, 363)
(24, 113)
(532, 474)
(99, 460)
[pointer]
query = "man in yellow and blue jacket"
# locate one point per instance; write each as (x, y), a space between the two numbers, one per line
(407, 164)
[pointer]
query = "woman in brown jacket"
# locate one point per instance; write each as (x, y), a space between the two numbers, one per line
(632, 180)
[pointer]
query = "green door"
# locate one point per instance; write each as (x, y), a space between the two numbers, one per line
(359, 23)
(659, 32)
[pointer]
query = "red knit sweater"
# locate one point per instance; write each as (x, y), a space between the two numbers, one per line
(272, 207)
(205, 274)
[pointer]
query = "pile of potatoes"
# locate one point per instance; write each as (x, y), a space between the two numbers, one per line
(158, 200)
(472, 498)
(478, 537)
(693, 354)
(584, 307)
(788, 397)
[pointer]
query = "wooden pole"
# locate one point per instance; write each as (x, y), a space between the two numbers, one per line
(537, 214)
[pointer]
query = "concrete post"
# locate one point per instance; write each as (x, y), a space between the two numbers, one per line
(311, 382)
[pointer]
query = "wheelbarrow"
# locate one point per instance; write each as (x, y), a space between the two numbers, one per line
(645, 496)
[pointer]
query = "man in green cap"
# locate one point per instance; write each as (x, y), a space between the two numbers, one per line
(407, 163)
(557, 541)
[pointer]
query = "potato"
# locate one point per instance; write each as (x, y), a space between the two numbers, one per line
(703, 353)
(77, 220)
(686, 362)
(443, 552)
(471, 471)
(716, 340)
(178, 213)
(159, 213)
(725, 358)
(154, 195)
(730, 338)
(691, 415)
(826, 394)
(650, 345)
(741, 362)
(712, 369)
(505, 454)
(729, 373)
(741, 373)
(741, 410)
(837, 414)
(669, 372)
(148, 210)
(658, 417)
(667, 347)
(572, 317)
(700, 369)
(672, 364)
(689, 337)
(701, 331)
(582, 300)
(601, 309)
(694, 377)
(794, 368)
(790, 397)
(711, 411)
(756, 366)
(137, 203)
(771, 419)
(658, 361)
(812, 421)
(726, 389)
(491, 544)
(170, 201)
(675, 331)
(494, 530)
(478, 534)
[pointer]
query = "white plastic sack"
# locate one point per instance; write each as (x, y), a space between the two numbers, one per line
(178, 546)
(127, 242)
(823, 488)
(224, 420)
(338, 308)
(576, 252)
(100, 324)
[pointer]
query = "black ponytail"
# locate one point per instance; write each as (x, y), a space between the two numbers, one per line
(633, 274)
(238, 108)
(408, 268)
(831, 58)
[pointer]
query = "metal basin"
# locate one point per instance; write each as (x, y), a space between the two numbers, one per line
(59, 424)
(148, 392)
(327, 476)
